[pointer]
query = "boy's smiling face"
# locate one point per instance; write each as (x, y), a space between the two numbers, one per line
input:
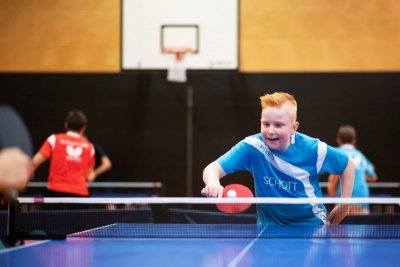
(277, 126)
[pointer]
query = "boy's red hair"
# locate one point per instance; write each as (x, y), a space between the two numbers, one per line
(278, 99)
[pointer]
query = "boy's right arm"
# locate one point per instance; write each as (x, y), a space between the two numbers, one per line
(38, 160)
(371, 179)
(91, 176)
(211, 175)
(370, 174)
(104, 166)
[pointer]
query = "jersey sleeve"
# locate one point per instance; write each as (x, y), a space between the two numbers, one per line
(235, 159)
(48, 146)
(335, 161)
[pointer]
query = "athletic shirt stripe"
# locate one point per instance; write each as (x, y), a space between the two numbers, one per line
(291, 170)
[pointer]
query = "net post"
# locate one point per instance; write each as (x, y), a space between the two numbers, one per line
(12, 239)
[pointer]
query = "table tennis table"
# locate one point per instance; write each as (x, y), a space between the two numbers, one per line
(208, 245)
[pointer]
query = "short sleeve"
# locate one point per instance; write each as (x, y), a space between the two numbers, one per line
(335, 161)
(48, 146)
(236, 159)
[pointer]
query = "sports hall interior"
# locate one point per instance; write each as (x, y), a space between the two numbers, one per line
(340, 59)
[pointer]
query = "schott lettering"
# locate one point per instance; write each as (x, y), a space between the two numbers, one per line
(288, 186)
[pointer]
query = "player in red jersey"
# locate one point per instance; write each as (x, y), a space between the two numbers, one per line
(71, 158)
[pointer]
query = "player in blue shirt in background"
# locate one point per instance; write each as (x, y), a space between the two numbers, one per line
(284, 163)
(364, 170)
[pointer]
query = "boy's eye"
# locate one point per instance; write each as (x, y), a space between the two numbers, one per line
(279, 125)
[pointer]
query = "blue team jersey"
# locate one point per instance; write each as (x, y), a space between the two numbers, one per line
(362, 167)
(292, 173)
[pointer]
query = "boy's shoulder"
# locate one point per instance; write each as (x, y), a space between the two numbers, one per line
(303, 142)
(303, 139)
(257, 135)
(253, 137)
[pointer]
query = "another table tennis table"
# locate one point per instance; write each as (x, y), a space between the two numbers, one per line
(105, 189)
(207, 245)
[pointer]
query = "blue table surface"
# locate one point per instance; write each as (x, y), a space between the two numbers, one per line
(104, 251)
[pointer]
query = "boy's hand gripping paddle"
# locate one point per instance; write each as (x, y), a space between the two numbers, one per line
(234, 191)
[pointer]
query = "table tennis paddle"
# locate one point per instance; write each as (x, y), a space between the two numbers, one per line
(235, 191)
(14, 133)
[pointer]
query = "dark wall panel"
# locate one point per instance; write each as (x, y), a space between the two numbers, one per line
(140, 119)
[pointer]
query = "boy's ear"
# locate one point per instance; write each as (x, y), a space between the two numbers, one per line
(66, 125)
(295, 127)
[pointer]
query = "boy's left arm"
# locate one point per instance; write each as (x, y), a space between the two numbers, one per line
(38, 159)
(91, 176)
(347, 180)
(346, 186)
(333, 180)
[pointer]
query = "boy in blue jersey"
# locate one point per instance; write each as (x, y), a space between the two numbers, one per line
(284, 163)
(364, 170)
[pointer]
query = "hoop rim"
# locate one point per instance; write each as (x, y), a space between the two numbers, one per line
(176, 50)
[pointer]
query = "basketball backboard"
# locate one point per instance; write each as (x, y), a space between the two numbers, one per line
(209, 28)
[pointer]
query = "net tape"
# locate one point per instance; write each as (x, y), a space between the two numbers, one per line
(200, 200)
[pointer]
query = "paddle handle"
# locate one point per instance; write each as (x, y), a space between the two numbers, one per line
(203, 192)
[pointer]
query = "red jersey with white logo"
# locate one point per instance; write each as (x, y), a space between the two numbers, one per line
(71, 158)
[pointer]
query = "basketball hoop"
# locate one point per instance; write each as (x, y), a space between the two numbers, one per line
(177, 70)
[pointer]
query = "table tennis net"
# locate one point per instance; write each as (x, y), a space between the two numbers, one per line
(52, 218)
